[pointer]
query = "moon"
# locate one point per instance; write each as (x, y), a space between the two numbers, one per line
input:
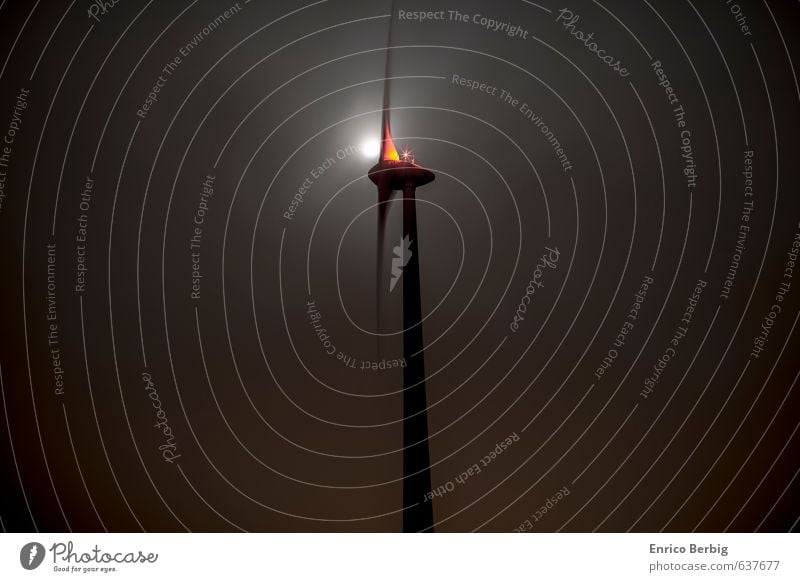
(370, 148)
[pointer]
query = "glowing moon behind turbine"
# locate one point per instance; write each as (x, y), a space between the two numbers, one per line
(371, 148)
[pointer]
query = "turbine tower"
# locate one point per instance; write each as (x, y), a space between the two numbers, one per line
(391, 174)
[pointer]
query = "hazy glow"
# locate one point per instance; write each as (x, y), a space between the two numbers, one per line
(371, 148)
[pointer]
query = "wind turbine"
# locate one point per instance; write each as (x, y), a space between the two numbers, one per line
(395, 171)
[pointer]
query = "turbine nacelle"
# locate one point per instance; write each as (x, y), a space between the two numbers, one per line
(393, 171)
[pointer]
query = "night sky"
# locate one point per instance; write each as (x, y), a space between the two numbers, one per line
(193, 335)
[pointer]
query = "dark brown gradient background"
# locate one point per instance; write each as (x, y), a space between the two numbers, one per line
(274, 434)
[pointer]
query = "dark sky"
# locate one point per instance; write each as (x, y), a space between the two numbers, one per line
(605, 263)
